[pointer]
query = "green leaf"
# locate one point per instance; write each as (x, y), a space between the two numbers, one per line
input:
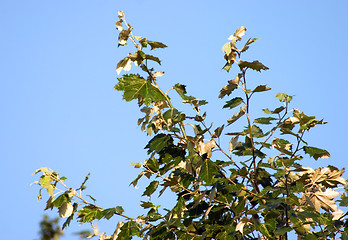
(261, 88)
(283, 97)
(89, 213)
(128, 230)
(151, 188)
(159, 142)
(136, 87)
(208, 171)
(255, 65)
(61, 199)
(234, 102)
(316, 152)
(264, 120)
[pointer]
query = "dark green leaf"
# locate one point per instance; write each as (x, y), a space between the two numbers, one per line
(208, 171)
(136, 87)
(255, 65)
(264, 120)
(89, 213)
(316, 152)
(153, 58)
(234, 102)
(128, 230)
(159, 142)
(151, 188)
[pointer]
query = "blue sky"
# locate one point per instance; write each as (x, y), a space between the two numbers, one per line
(58, 71)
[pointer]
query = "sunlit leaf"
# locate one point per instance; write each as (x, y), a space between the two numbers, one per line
(205, 148)
(136, 87)
(124, 64)
(239, 33)
(66, 209)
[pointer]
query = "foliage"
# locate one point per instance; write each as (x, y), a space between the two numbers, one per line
(256, 187)
(50, 229)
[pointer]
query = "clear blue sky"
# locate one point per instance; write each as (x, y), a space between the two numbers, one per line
(59, 110)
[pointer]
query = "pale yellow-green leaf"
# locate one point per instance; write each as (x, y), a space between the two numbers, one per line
(158, 74)
(120, 14)
(205, 148)
(240, 32)
(136, 165)
(336, 215)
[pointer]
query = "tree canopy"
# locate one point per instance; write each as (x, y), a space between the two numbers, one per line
(249, 183)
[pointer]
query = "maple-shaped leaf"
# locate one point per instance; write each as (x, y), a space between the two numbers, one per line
(255, 65)
(323, 200)
(136, 87)
(328, 176)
